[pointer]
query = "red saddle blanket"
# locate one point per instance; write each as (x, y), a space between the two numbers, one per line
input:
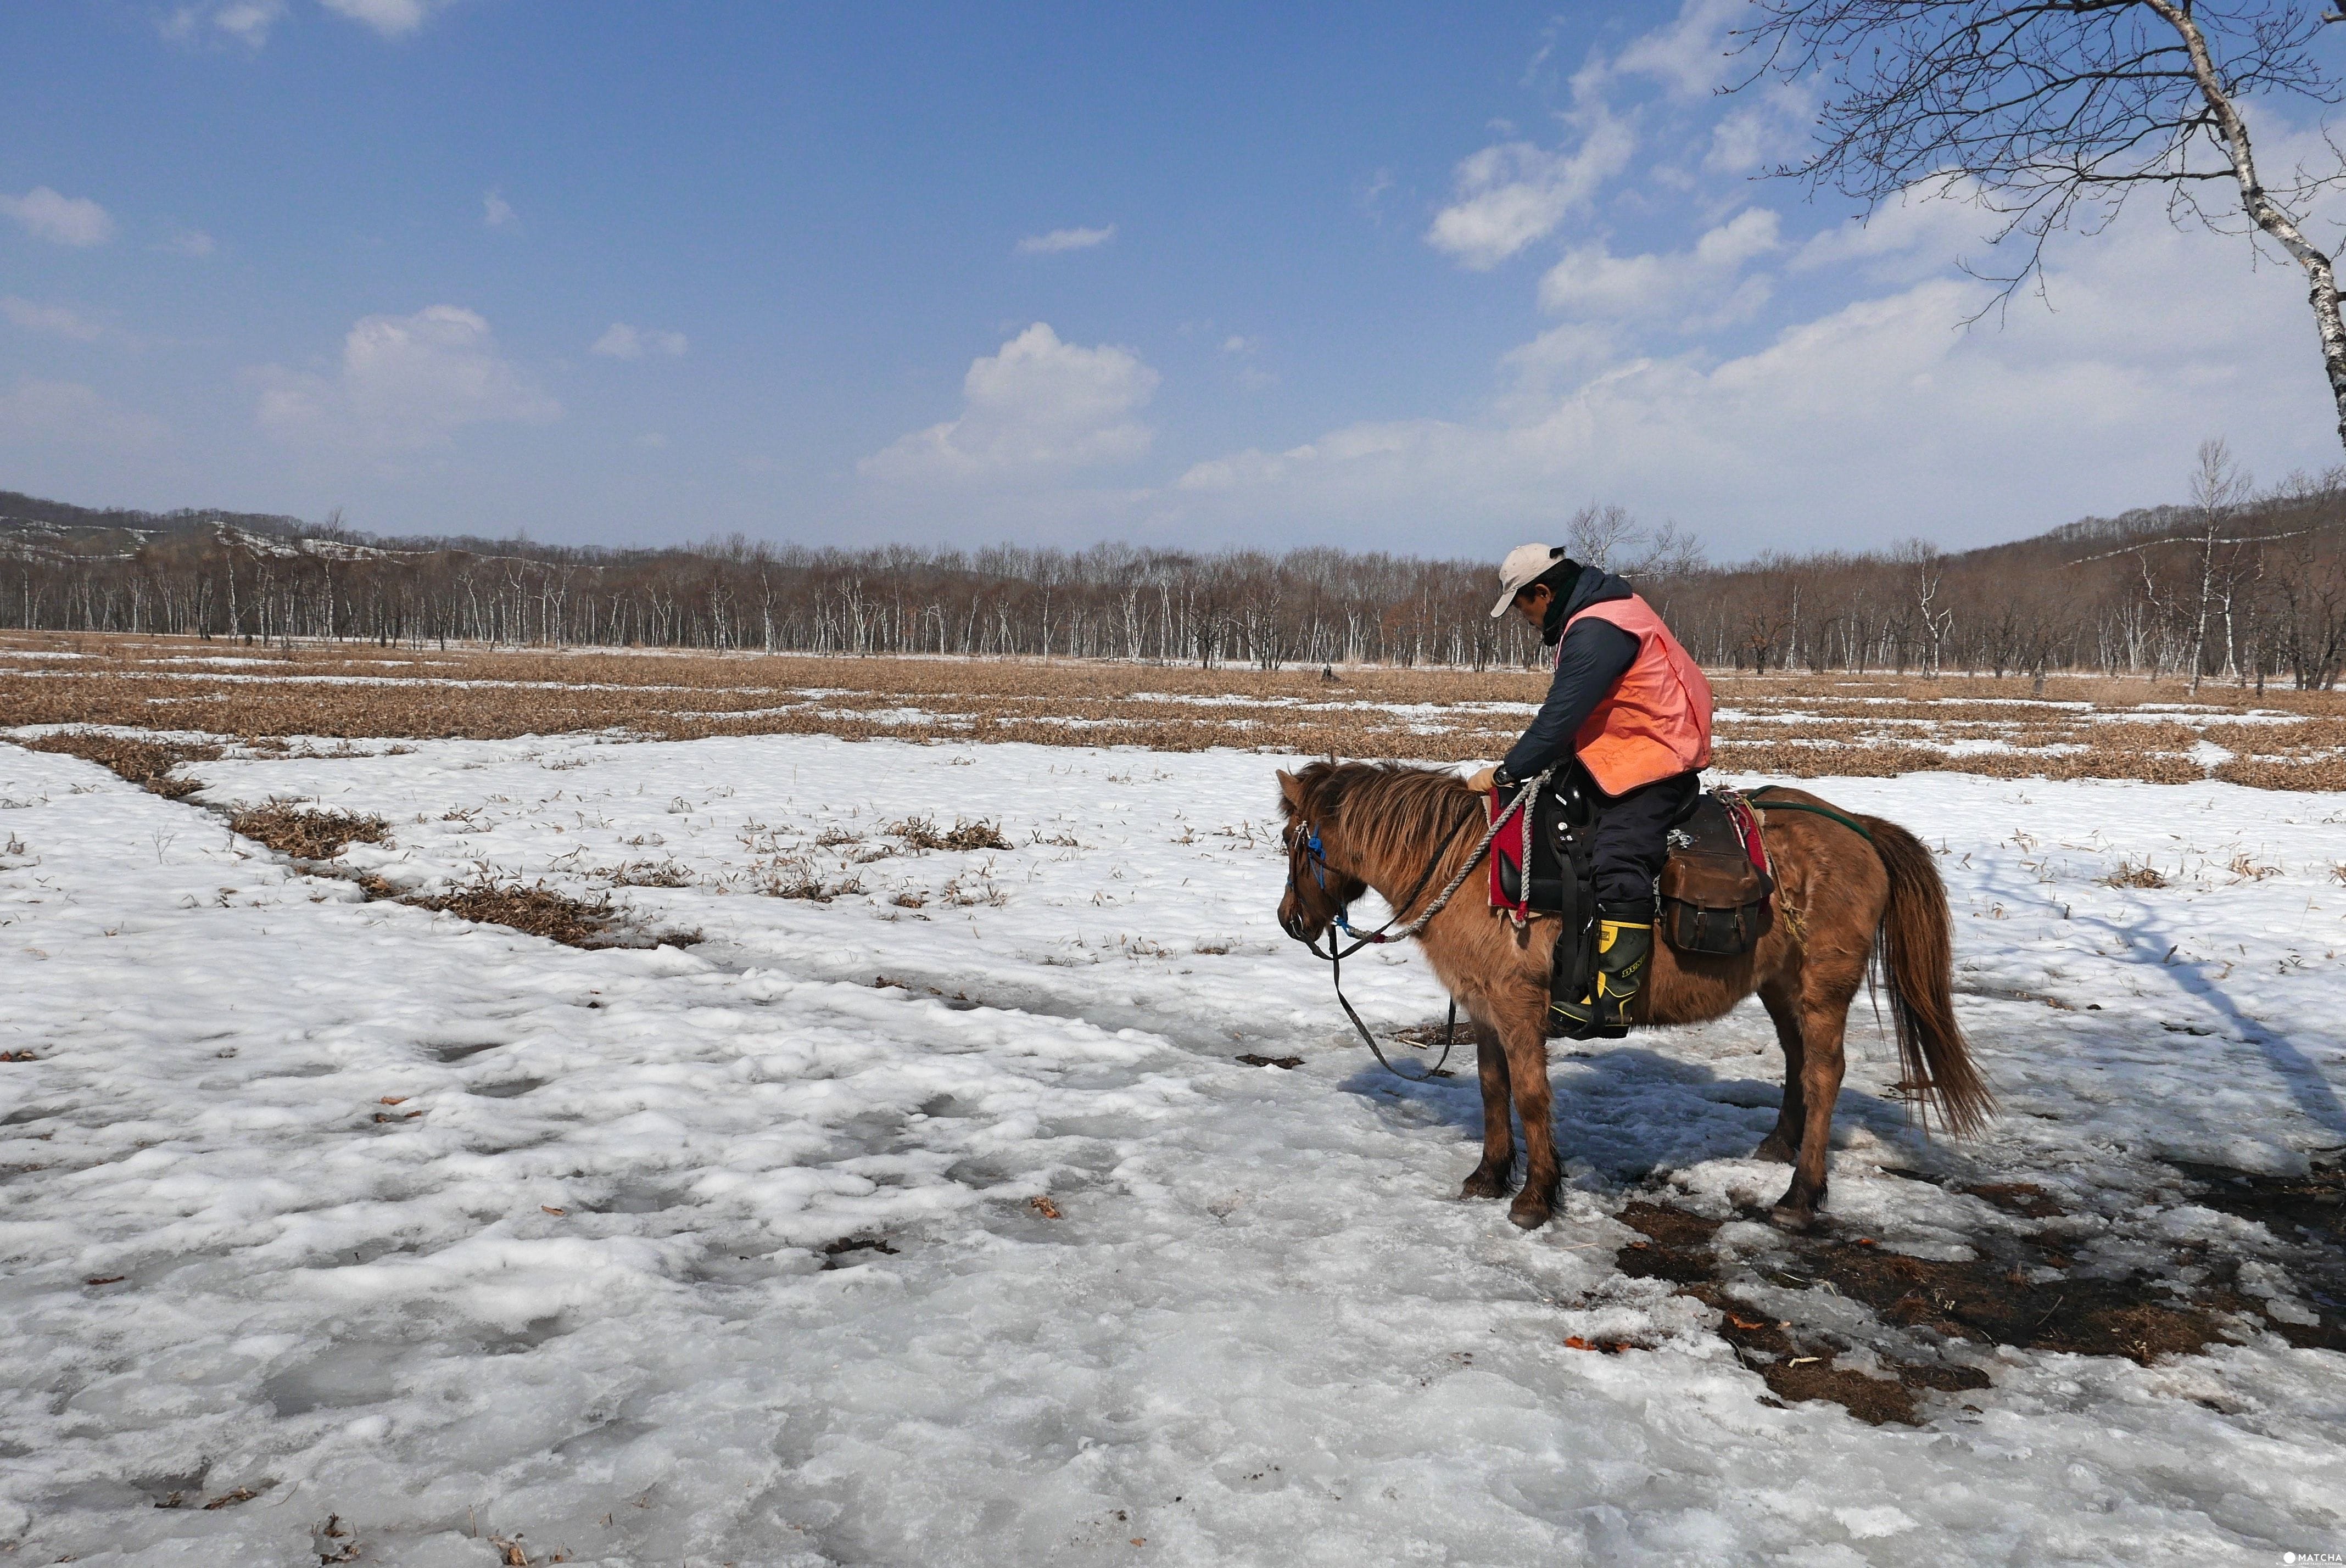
(1525, 878)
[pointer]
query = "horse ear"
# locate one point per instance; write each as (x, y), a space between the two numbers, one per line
(1292, 786)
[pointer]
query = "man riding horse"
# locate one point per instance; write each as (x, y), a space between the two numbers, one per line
(1629, 708)
(1852, 894)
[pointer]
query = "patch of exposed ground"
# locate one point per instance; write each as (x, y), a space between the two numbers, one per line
(140, 761)
(537, 909)
(2305, 1213)
(308, 832)
(835, 1254)
(1936, 1320)
(923, 834)
(1797, 726)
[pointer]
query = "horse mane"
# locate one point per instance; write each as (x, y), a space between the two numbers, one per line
(1404, 810)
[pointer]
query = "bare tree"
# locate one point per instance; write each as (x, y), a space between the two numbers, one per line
(1610, 538)
(2218, 487)
(1597, 534)
(1929, 568)
(2050, 113)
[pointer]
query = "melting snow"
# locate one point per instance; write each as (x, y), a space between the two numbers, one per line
(728, 1254)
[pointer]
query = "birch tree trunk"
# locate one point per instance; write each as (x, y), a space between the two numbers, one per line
(2268, 215)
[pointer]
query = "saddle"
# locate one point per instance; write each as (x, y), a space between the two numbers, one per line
(1714, 893)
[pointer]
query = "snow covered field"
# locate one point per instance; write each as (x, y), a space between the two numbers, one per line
(452, 1236)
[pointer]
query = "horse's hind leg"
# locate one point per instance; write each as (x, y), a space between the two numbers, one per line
(1495, 1177)
(1783, 1144)
(1822, 1019)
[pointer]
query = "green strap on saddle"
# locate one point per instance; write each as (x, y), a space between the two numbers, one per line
(1851, 823)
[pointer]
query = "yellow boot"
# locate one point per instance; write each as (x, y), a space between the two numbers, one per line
(1624, 950)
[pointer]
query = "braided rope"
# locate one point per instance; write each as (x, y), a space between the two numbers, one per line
(1523, 797)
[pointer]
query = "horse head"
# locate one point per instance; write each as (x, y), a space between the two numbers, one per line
(1318, 892)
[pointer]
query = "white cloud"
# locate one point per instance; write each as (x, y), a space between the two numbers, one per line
(1517, 193)
(189, 242)
(1060, 240)
(1251, 377)
(46, 413)
(61, 321)
(622, 341)
(1873, 418)
(246, 21)
(391, 18)
(1910, 238)
(1774, 123)
(249, 21)
(497, 212)
(1700, 286)
(1567, 353)
(1038, 404)
(405, 384)
(1689, 57)
(1507, 196)
(64, 219)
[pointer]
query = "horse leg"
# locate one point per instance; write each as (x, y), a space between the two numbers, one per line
(1495, 1177)
(1783, 1144)
(1527, 1045)
(1822, 1023)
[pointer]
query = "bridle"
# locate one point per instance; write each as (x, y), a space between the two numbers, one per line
(1305, 849)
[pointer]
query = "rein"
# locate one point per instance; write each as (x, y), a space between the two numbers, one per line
(1306, 842)
(1851, 823)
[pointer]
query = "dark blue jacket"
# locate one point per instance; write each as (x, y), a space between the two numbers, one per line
(1593, 659)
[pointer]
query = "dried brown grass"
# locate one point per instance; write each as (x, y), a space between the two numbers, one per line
(2320, 773)
(653, 874)
(147, 763)
(921, 833)
(534, 910)
(310, 833)
(1796, 725)
(793, 877)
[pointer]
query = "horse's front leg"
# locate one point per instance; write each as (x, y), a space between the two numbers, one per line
(1495, 1177)
(1525, 1041)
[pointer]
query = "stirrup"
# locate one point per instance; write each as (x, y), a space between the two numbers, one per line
(1578, 1020)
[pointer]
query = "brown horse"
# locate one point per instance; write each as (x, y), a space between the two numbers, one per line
(1841, 902)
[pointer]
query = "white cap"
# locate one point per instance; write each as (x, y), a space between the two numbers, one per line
(1523, 563)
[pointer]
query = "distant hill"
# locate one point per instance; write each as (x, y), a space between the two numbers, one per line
(31, 517)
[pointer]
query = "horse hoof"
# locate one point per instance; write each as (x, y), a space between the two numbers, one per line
(1797, 1209)
(1481, 1185)
(1774, 1149)
(1526, 1217)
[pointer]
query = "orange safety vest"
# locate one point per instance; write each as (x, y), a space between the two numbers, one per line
(1656, 720)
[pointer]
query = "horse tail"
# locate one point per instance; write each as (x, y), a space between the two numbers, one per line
(1915, 953)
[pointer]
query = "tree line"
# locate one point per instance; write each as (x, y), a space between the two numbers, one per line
(2234, 584)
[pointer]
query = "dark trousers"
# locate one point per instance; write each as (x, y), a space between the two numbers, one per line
(1629, 839)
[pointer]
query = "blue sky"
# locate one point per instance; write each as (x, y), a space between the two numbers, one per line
(1426, 279)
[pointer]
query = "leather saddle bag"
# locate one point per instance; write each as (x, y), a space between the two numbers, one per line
(1716, 900)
